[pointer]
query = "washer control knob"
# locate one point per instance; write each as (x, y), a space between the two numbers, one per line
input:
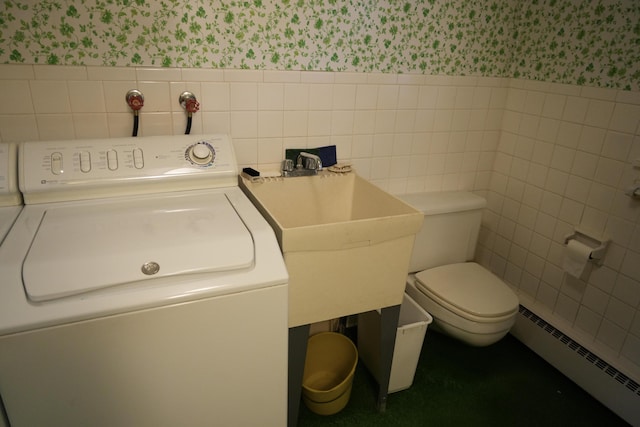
(56, 163)
(85, 161)
(138, 158)
(112, 160)
(200, 153)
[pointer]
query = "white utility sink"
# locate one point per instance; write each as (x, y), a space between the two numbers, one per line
(346, 243)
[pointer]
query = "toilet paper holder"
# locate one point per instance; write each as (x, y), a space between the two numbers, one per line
(597, 242)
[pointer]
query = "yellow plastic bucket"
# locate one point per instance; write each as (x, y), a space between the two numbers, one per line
(328, 372)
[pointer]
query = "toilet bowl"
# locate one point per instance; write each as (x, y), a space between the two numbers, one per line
(466, 301)
(480, 313)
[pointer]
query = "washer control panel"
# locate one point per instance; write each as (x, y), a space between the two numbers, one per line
(80, 164)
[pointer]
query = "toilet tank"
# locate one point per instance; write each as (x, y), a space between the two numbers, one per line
(450, 229)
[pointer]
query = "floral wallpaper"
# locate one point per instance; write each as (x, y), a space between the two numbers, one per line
(586, 42)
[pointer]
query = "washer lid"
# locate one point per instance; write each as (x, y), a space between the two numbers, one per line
(85, 247)
(470, 288)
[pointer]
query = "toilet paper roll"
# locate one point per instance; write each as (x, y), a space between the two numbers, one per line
(576, 257)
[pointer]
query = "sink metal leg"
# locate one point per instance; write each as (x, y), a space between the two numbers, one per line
(298, 337)
(388, 329)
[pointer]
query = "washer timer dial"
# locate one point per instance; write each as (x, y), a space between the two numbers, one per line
(201, 153)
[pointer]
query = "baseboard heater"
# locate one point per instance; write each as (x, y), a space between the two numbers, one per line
(604, 382)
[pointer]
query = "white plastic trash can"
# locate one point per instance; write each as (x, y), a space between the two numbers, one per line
(412, 328)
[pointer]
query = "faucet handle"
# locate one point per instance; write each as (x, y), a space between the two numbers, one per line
(318, 163)
(309, 161)
(287, 165)
(313, 164)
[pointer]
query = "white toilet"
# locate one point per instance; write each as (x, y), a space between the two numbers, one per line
(466, 301)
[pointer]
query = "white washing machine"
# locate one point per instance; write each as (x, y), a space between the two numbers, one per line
(10, 207)
(140, 287)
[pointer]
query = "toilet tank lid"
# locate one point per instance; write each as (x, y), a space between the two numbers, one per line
(444, 202)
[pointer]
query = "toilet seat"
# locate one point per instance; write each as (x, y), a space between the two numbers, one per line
(470, 291)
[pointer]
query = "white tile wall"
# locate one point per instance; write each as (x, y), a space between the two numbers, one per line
(548, 157)
(564, 160)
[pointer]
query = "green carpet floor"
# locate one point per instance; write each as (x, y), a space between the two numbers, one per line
(505, 384)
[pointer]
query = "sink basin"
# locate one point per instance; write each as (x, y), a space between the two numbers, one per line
(346, 243)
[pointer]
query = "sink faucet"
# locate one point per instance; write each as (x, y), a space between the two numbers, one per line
(311, 161)
(306, 164)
